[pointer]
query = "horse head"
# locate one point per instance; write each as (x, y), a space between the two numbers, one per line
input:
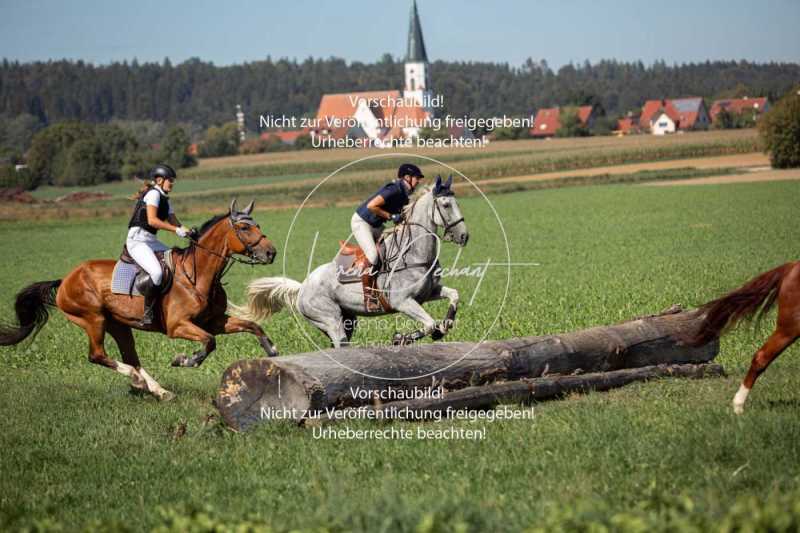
(447, 214)
(245, 236)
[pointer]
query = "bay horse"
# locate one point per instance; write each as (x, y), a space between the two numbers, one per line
(411, 276)
(194, 308)
(756, 297)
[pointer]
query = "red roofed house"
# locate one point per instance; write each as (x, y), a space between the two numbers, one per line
(738, 106)
(383, 115)
(286, 137)
(628, 125)
(547, 123)
(669, 116)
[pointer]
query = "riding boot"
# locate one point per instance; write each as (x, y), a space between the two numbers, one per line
(150, 292)
(369, 282)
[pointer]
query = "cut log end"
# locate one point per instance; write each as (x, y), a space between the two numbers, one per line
(258, 390)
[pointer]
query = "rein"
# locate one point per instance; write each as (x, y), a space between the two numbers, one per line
(407, 229)
(228, 260)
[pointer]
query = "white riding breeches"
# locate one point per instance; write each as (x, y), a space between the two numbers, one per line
(142, 246)
(365, 236)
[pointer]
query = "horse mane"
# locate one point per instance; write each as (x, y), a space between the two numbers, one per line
(208, 224)
(415, 198)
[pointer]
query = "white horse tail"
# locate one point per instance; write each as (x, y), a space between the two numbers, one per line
(267, 296)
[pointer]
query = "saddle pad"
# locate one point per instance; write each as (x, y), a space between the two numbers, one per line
(344, 269)
(125, 273)
(344, 263)
(122, 278)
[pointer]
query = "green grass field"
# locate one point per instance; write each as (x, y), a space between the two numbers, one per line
(79, 451)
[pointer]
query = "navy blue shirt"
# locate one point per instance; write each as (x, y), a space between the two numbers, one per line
(395, 198)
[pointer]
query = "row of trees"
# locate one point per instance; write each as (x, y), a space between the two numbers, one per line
(79, 153)
(203, 94)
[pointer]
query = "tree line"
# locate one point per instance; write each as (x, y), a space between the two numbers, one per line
(201, 94)
(82, 153)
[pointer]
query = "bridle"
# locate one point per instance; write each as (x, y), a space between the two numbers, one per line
(249, 248)
(435, 208)
(228, 260)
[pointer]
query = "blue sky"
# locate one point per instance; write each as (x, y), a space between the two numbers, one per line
(363, 30)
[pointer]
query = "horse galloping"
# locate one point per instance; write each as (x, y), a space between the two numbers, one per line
(408, 278)
(194, 307)
(756, 297)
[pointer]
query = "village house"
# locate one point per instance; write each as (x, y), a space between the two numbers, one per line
(286, 137)
(672, 115)
(628, 125)
(547, 122)
(739, 106)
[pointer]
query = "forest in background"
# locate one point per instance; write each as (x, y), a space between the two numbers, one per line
(199, 94)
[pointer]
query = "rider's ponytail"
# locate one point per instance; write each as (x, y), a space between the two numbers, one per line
(146, 186)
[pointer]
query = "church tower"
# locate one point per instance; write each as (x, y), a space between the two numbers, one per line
(417, 81)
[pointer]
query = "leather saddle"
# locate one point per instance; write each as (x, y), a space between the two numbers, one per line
(351, 261)
(164, 259)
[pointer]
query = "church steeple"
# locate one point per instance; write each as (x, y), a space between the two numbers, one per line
(416, 44)
(416, 61)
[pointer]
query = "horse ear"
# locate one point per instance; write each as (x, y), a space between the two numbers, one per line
(233, 206)
(438, 182)
(449, 182)
(249, 208)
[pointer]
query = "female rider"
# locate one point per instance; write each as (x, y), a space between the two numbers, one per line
(152, 213)
(367, 224)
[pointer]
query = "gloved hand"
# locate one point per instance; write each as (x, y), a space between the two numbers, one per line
(182, 232)
(397, 218)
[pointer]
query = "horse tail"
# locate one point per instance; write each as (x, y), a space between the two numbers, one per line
(757, 296)
(31, 309)
(267, 296)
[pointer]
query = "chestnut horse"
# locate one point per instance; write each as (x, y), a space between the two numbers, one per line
(193, 308)
(757, 296)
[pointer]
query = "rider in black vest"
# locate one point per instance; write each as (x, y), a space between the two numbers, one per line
(151, 213)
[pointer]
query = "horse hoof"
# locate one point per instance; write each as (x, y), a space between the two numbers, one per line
(181, 360)
(398, 339)
(738, 409)
(165, 396)
(270, 349)
(437, 334)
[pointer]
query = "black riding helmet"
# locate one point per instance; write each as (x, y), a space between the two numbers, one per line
(162, 171)
(407, 169)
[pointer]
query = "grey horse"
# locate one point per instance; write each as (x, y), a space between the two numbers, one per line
(410, 276)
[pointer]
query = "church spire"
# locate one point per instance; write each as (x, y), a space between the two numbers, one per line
(416, 45)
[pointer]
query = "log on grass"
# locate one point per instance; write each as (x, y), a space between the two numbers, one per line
(292, 387)
(523, 391)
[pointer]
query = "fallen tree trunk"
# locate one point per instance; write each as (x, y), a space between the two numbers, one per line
(523, 391)
(256, 390)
